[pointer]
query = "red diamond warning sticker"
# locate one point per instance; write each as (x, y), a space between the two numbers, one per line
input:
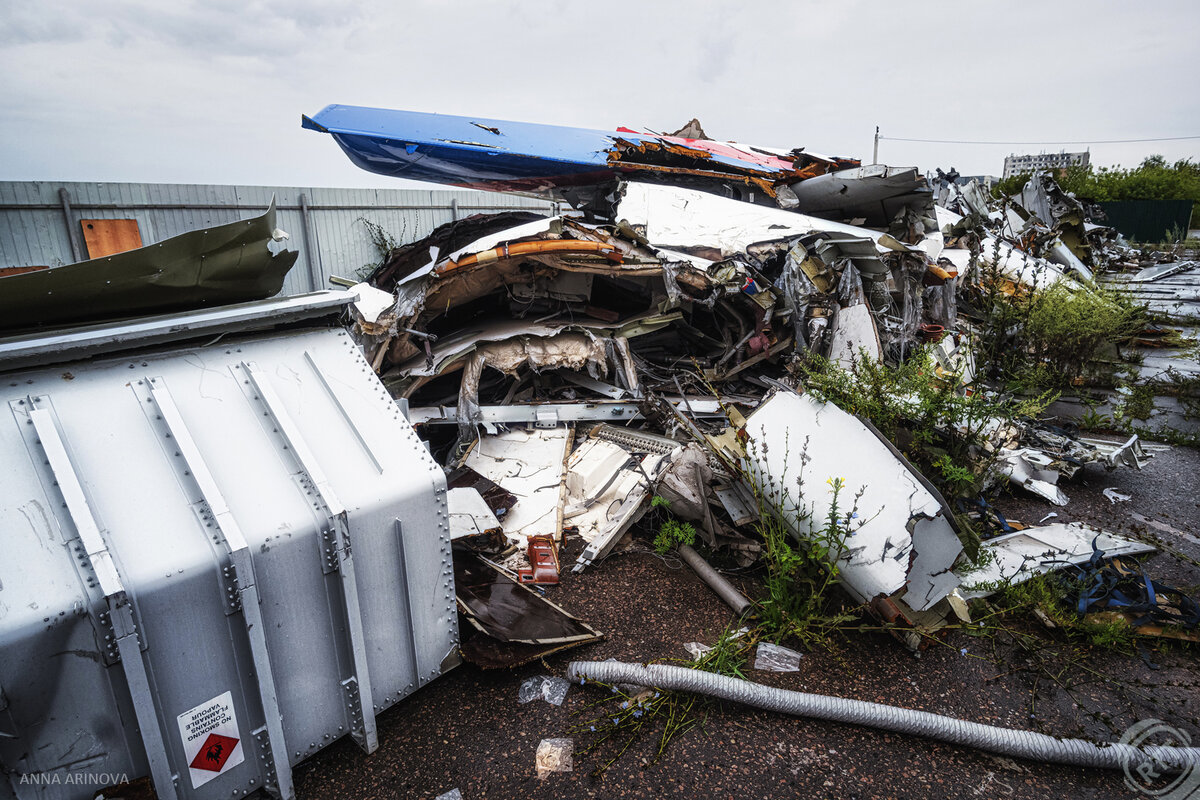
(215, 751)
(211, 740)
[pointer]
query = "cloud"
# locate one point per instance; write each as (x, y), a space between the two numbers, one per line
(213, 91)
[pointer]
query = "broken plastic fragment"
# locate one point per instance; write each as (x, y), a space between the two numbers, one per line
(554, 755)
(1115, 497)
(552, 690)
(453, 794)
(773, 658)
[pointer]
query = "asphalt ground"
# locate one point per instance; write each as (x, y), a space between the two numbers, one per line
(466, 730)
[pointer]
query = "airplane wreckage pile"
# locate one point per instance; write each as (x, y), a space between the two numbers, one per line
(568, 370)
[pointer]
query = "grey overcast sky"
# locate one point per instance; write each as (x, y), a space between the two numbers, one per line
(212, 92)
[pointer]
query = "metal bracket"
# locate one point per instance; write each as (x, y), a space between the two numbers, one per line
(356, 718)
(111, 654)
(339, 526)
(236, 564)
(120, 607)
(271, 778)
(406, 582)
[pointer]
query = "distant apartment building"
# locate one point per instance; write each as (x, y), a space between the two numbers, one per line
(1019, 165)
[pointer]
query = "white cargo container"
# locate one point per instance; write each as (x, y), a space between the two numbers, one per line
(218, 559)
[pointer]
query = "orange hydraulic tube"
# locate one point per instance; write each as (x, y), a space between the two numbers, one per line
(533, 248)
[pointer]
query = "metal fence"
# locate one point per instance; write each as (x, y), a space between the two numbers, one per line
(335, 230)
(1149, 220)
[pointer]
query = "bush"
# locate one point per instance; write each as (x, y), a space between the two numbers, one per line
(929, 418)
(1067, 328)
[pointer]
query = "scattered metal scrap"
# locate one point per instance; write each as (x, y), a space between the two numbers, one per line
(661, 317)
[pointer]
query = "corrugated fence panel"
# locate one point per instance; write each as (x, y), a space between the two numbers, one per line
(34, 230)
(1148, 220)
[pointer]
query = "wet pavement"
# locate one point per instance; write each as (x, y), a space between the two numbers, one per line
(467, 731)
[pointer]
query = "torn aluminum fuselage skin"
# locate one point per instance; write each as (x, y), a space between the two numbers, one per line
(1021, 268)
(553, 259)
(690, 221)
(874, 194)
(902, 545)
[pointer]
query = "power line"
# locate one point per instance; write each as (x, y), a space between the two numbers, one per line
(1071, 141)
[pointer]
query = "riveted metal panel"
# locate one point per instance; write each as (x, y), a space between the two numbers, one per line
(217, 506)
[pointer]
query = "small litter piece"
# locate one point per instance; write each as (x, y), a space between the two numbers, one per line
(695, 649)
(773, 658)
(453, 794)
(552, 690)
(1051, 515)
(554, 755)
(1115, 497)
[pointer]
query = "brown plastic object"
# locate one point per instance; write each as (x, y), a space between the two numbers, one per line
(932, 333)
(543, 557)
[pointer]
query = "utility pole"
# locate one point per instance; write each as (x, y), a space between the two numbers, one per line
(875, 156)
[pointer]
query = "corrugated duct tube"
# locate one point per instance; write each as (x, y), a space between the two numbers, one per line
(1002, 741)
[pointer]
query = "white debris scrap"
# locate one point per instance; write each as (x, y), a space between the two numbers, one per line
(1115, 497)
(904, 548)
(1017, 557)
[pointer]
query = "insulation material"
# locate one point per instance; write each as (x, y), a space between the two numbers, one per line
(850, 287)
(799, 292)
(941, 304)
(577, 351)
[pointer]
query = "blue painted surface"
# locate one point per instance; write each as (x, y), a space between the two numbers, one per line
(477, 152)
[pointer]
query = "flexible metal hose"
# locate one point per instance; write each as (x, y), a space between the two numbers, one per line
(1003, 741)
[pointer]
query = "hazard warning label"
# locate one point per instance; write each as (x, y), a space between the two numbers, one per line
(211, 741)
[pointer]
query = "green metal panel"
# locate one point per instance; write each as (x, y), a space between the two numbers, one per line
(1148, 220)
(225, 264)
